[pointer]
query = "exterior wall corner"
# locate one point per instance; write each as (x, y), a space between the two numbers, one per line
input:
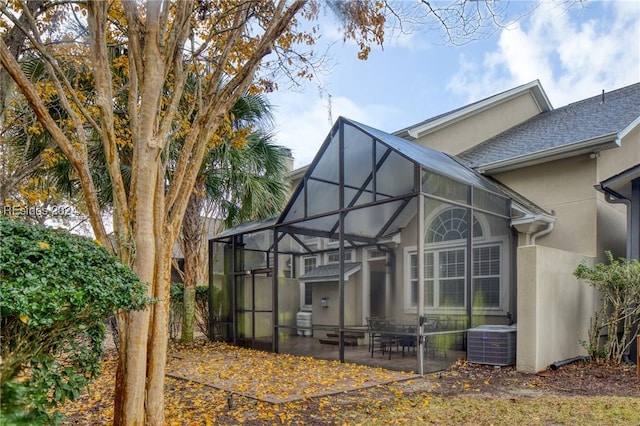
(554, 307)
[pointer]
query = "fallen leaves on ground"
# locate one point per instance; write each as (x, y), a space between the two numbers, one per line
(216, 384)
(252, 373)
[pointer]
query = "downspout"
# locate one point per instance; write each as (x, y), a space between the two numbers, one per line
(545, 231)
(390, 271)
(612, 199)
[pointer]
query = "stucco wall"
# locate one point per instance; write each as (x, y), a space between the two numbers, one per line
(585, 222)
(554, 308)
(613, 161)
(288, 303)
(329, 315)
(459, 136)
(566, 188)
(612, 228)
(612, 218)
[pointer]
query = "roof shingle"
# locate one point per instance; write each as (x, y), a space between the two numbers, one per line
(580, 121)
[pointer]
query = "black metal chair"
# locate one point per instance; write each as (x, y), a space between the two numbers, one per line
(382, 335)
(407, 341)
(371, 324)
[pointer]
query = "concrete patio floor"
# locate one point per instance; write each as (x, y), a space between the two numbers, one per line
(434, 360)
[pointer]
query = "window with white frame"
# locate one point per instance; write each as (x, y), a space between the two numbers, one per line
(334, 256)
(486, 275)
(306, 295)
(445, 264)
(333, 242)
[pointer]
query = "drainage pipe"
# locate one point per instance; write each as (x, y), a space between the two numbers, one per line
(559, 364)
(545, 231)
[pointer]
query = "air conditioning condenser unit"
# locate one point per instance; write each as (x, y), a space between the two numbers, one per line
(492, 344)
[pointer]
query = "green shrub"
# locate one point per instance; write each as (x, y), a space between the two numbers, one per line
(619, 285)
(57, 290)
(201, 308)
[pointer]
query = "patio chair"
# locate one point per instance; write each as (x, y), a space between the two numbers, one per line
(382, 335)
(372, 323)
(408, 342)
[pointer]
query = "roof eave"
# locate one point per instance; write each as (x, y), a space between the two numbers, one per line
(589, 146)
(297, 173)
(618, 186)
(355, 267)
(624, 132)
(532, 223)
(535, 88)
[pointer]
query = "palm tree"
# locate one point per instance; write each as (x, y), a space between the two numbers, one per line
(234, 185)
(237, 181)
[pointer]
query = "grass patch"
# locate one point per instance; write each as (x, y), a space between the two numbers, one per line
(476, 410)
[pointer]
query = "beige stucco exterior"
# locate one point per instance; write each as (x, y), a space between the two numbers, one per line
(612, 226)
(613, 161)
(554, 308)
(328, 314)
(585, 222)
(565, 189)
(472, 129)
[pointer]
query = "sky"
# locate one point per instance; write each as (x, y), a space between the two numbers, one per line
(574, 52)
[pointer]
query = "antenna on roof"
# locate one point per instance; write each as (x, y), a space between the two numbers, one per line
(602, 95)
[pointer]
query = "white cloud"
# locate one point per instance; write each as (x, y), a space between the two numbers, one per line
(573, 55)
(303, 120)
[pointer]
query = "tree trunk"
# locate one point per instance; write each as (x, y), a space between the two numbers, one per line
(130, 399)
(188, 312)
(159, 333)
(146, 223)
(193, 237)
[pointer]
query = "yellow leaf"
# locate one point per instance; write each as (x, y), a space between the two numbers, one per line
(24, 318)
(43, 245)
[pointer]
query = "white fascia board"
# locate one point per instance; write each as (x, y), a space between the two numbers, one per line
(297, 173)
(539, 96)
(635, 123)
(533, 218)
(598, 144)
(533, 223)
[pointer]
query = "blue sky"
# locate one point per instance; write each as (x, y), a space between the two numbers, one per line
(575, 53)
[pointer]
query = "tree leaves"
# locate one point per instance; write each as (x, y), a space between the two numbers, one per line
(619, 284)
(57, 291)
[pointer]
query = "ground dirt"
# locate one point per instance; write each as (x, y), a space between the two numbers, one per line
(575, 379)
(217, 384)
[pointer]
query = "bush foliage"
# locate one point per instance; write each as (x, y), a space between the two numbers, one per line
(201, 308)
(619, 315)
(57, 290)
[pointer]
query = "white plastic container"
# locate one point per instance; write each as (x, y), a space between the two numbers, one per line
(303, 322)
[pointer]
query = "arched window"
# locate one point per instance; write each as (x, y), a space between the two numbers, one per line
(452, 224)
(445, 263)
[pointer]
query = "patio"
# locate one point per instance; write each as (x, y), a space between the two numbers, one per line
(361, 354)
(377, 228)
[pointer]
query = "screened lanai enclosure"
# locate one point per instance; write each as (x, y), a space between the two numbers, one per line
(386, 254)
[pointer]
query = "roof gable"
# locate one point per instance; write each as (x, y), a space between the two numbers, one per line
(449, 118)
(590, 125)
(359, 166)
(365, 184)
(330, 272)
